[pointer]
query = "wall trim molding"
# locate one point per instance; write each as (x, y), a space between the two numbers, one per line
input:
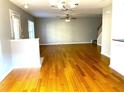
(69, 43)
(5, 74)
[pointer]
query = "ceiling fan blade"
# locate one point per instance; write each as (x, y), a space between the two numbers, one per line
(62, 18)
(73, 18)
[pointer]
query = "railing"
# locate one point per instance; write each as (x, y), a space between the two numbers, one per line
(99, 29)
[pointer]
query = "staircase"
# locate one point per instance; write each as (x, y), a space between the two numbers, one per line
(99, 36)
(99, 39)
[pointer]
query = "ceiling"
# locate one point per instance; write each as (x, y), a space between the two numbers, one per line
(42, 8)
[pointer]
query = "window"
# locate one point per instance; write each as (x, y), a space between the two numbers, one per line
(31, 29)
(15, 25)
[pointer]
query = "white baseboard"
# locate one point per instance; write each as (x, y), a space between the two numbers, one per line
(5, 74)
(105, 54)
(99, 44)
(41, 60)
(67, 43)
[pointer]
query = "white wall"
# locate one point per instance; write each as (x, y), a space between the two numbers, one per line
(118, 19)
(54, 31)
(5, 51)
(106, 30)
(24, 16)
(25, 53)
(117, 48)
(0, 54)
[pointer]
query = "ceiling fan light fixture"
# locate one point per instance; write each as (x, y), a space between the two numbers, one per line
(52, 2)
(75, 2)
(63, 1)
(64, 4)
(60, 5)
(72, 5)
(26, 5)
(67, 20)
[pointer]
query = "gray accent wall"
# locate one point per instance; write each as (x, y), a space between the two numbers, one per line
(57, 31)
(6, 64)
(24, 19)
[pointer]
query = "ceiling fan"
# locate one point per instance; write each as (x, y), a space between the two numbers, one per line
(68, 18)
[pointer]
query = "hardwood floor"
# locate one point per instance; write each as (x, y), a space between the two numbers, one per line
(66, 68)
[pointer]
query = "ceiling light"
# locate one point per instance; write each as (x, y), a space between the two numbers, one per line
(100, 0)
(52, 2)
(67, 20)
(64, 4)
(108, 12)
(26, 5)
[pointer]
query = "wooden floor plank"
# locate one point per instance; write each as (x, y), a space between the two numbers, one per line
(74, 68)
